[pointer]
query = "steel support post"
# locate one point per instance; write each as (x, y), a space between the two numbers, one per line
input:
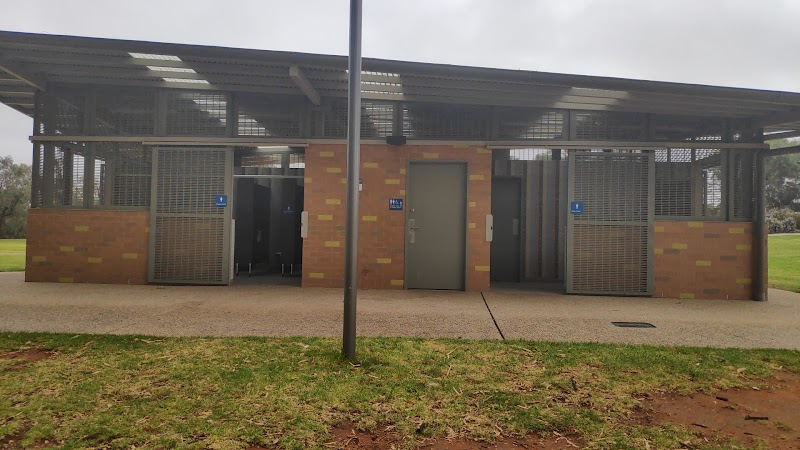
(353, 158)
(760, 229)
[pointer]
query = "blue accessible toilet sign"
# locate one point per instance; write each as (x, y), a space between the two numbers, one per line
(221, 200)
(576, 207)
(395, 204)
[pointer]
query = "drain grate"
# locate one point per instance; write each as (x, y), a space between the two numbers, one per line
(633, 324)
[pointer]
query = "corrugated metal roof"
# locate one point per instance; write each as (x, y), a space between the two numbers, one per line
(28, 61)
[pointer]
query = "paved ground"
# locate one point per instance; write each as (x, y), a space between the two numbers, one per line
(286, 311)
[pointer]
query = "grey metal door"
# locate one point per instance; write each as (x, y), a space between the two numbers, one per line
(436, 225)
(505, 247)
(610, 226)
(190, 229)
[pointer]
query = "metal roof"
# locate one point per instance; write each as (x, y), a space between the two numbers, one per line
(29, 61)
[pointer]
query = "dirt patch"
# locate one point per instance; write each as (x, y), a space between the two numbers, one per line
(770, 414)
(27, 357)
(347, 436)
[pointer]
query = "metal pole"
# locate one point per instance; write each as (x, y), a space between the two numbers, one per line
(760, 229)
(353, 157)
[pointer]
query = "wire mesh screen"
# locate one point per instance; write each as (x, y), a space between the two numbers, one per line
(37, 171)
(525, 123)
(609, 241)
(377, 119)
(125, 111)
(130, 175)
(741, 185)
(530, 154)
(424, 121)
(262, 115)
(613, 126)
(67, 115)
(99, 182)
(689, 183)
(58, 182)
(686, 128)
(75, 185)
(196, 113)
(708, 164)
(189, 230)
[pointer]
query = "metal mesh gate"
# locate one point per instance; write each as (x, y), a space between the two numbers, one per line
(610, 223)
(190, 233)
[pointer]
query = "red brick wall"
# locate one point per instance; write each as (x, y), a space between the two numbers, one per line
(703, 260)
(87, 246)
(382, 232)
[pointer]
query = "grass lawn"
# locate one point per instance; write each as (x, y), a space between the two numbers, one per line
(12, 255)
(784, 262)
(206, 393)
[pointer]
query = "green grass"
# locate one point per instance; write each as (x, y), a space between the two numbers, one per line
(12, 255)
(784, 262)
(125, 392)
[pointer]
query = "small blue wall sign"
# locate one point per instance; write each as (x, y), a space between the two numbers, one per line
(395, 204)
(221, 200)
(288, 211)
(576, 207)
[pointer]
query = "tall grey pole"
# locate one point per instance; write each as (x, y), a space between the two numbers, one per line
(760, 229)
(353, 158)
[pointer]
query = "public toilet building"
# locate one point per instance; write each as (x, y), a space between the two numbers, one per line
(184, 164)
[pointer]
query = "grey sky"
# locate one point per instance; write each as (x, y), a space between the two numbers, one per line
(729, 43)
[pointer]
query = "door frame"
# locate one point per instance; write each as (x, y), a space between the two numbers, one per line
(522, 240)
(462, 163)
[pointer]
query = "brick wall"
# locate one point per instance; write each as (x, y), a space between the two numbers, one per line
(703, 260)
(381, 231)
(87, 246)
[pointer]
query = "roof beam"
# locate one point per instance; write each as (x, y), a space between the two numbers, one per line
(18, 72)
(776, 119)
(302, 82)
(781, 135)
(783, 151)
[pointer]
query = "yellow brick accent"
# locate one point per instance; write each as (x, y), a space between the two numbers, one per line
(369, 218)
(475, 177)
(39, 259)
(333, 201)
(370, 165)
(65, 279)
(333, 170)
(484, 150)
(325, 217)
(392, 181)
(743, 247)
(384, 260)
(481, 268)
(743, 281)
(679, 246)
(695, 224)
(130, 256)
(658, 228)
(472, 225)
(307, 180)
(398, 282)
(331, 244)
(686, 296)
(702, 263)
(343, 180)
(473, 204)
(658, 251)
(402, 171)
(81, 228)
(316, 275)
(736, 230)
(402, 192)
(66, 248)
(146, 229)
(95, 260)
(427, 155)
(326, 154)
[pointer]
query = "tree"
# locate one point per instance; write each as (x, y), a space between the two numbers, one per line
(15, 197)
(783, 178)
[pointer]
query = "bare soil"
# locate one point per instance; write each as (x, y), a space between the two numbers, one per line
(751, 415)
(27, 357)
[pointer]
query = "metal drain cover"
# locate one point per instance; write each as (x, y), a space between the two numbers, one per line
(633, 324)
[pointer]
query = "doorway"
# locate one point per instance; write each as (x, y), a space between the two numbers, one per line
(505, 247)
(436, 225)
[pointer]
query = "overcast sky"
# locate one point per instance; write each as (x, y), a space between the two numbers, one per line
(740, 43)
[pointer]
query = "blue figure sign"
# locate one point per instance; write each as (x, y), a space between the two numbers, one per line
(288, 211)
(576, 207)
(395, 204)
(221, 200)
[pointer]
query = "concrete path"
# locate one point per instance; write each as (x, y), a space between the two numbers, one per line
(289, 311)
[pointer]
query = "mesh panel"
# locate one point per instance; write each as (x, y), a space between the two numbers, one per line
(683, 128)
(742, 186)
(130, 174)
(99, 181)
(376, 119)
(673, 180)
(268, 160)
(37, 170)
(530, 154)
(67, 115)
(125, 111)
(522, 123)
(609, 242)
(613, 126)
(261, 115)
(60, 194)
(75, 185)
(421, 121)
(189, 229)
(196, 113)
(709, 164)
